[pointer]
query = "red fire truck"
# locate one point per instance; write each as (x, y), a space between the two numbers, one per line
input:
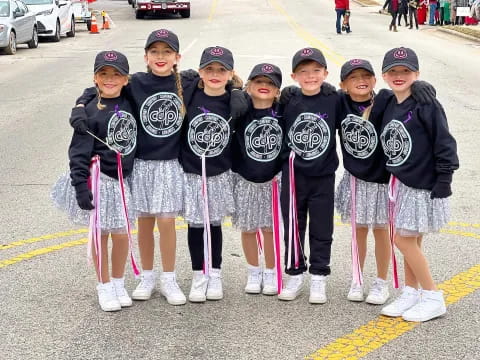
(143, 7)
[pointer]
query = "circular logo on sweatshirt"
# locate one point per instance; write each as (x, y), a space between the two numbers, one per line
(122, 132)
(359, 136)
(160, 114)
(396, 143)
(208, 134)
(263, 139)
(309, 136)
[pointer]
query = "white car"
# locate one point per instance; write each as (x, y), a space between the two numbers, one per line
(54, 18)
(17, 26)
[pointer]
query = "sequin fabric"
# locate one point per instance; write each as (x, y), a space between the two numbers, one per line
(371, 202)
(253, 204)
(416, 213)
(111, 216)
(220, 197)
(157, 187)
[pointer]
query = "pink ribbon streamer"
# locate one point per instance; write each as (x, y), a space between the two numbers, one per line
(392, 198)
(207, 236)
(356, 269)
(94, 228)
(293, 233)
(277, 231)
(133, 263)
(260, 240)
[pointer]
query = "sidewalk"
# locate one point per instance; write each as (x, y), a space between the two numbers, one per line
(471, 32)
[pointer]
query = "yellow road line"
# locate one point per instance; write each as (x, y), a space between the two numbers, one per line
(376, 333)
(307, 36)
(460, 233)
(43, 238)
(213, 9)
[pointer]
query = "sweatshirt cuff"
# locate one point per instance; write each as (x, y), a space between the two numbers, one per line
(444, 178)
(82, 187)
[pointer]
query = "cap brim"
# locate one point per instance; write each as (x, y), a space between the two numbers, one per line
(228, 67)
(356, 68)
(275, 81)
(147, 45)
(122, 71)
(308, 59)
(409, 66)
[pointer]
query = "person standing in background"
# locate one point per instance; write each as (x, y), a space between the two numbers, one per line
(403, 10)
(393, 10)
(341, 6)
(422, 11)
(412, 11)
(432, 6)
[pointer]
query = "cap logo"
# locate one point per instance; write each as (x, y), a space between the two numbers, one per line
(354, 62)
(400, 54)
(306, 52)
(267, 68)
(216, 52)
(110, 56)
(161, 33)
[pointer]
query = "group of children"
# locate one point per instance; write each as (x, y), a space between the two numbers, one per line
(202, 145)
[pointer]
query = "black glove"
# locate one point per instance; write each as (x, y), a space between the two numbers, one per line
(84, 197)
(423, 92)
(88, 95)
(327, 89)
(189, 75)
(287, 94)
(238, 103)
(78, 119)
(442, 188)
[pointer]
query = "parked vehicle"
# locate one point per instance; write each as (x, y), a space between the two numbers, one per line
(54, 18)
(143, 7)
(82, 13)
(18, 25)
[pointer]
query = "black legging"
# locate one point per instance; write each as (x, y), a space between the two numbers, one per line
(394, 19)
(195, 245)
(413, 13)
(400, 18)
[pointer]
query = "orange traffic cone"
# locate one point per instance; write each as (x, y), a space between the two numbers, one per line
(106, 24)
(93, 26)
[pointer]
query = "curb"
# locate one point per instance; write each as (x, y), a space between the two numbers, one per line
(459, 34)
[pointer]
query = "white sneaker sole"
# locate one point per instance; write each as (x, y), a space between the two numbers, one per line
(376, 301)
(111, 308)
(317, 301)
(175, 301)
(269, 292)
(434, 315)
(214, 296)
(355, 298)
(126, 303)
(287, 297)
(142, 297)
(252, 291)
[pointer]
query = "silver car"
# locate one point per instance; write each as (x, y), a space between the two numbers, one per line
(18, 25)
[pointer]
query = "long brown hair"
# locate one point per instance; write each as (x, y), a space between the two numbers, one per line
(178, 83)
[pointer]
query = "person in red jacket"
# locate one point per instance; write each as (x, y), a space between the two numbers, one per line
(341, 8)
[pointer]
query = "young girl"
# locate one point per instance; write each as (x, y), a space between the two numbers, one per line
(365, 173)
(111, 119)
(157, 177)
(256, 146)
(421, 156)
(206, 146)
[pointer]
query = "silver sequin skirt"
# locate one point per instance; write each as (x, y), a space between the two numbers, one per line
(253, 204)
(157, 188)
(371, 202)
(111, 216)
(416, 213)
(220, 198)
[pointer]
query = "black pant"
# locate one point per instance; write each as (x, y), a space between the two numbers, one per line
(413, 13)
(314, 198)
(394, 19)
(400, 18)
(195, 245)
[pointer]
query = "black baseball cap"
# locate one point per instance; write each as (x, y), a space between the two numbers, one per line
(217, 54)
(355, 64)
(270, 71)
(305, 54)
(163, 35)
(400, 56)
(111, 58)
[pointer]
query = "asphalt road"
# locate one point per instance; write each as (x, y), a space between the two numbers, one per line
(47, 291)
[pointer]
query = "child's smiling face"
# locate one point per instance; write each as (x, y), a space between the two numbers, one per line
(160, 58)
(359, 84)
(310, 75)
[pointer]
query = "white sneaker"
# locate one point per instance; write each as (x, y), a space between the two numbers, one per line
(122, 295)
(317, 289)
(254, 280)
(170, 289)
(405, 301)
(269, 282)
(378, 293)
(107, 298)
(215, 287)
(199, 287)
(292, 289)
(356, 292)
(145, 288)
(430, 306)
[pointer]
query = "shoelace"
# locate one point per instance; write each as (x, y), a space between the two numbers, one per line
(147, 283)
(355, 288)
(215, 282)
(377, 288)
(120, 291)
(255, 278)
(108, 293)
(269, 278)
(317, 284)
(293, 283)
(199, 282)
(171, 285)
